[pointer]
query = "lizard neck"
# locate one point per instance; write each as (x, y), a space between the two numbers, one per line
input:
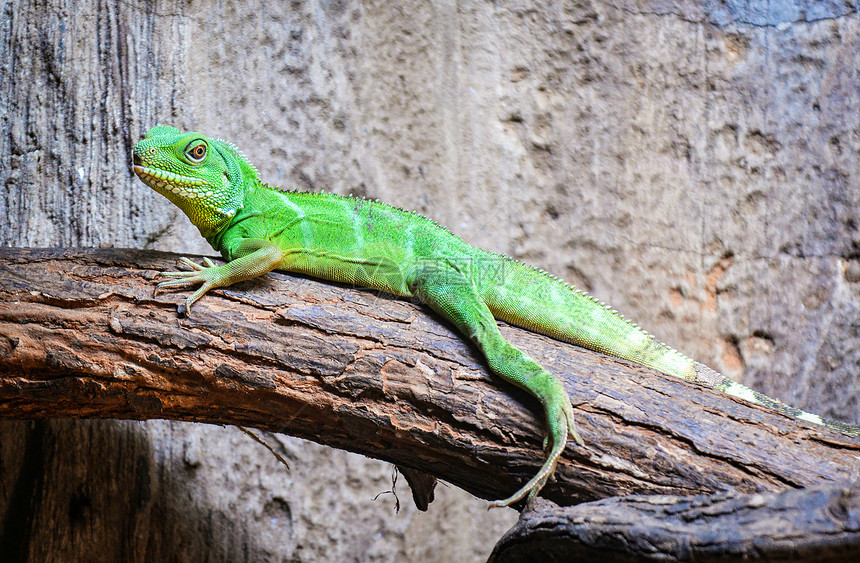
(255, 196)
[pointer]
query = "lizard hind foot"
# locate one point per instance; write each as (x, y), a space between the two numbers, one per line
(536, 483)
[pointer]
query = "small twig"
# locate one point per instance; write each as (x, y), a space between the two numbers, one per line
(265, 445)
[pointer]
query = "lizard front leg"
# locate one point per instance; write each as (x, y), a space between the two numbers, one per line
(254, 257)
(453, 296)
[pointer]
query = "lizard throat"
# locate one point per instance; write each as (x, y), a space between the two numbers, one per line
(208, 207)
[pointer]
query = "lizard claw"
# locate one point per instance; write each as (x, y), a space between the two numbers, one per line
(561, 426)
(183, 278)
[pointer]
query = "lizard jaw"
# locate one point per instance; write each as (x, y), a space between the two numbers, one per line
(163, 182)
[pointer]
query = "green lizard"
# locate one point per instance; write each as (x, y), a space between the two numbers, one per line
(258, 228)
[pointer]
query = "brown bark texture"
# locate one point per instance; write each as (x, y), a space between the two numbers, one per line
(817, 524)
(82, 335)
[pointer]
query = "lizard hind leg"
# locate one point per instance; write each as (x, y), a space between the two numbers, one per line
(451, 294)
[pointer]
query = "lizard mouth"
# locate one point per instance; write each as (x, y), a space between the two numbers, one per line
(166, 182)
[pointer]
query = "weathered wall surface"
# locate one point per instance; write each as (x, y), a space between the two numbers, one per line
(693, 163)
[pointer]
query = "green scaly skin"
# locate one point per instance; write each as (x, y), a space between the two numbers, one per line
(369, 244)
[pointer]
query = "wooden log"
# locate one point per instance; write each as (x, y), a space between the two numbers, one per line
(818, 524)
(82, 335)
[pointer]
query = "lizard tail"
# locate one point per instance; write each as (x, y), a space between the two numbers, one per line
(716, 380)
(535, 300)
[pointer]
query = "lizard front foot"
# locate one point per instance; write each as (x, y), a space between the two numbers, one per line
(209, 275)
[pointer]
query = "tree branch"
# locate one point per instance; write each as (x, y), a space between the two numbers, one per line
(82, 335)
(818, 524)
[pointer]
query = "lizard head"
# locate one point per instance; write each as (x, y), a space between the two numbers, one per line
(206, 178)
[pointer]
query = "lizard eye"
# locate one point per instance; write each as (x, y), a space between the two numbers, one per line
(196, 153)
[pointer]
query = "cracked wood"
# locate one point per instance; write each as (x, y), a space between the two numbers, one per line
(819, 524)
(82, 335)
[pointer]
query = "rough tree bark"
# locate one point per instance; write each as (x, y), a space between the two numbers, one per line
(819, 524)
(82, 335)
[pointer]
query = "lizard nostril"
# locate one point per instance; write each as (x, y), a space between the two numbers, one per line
(136, 159)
